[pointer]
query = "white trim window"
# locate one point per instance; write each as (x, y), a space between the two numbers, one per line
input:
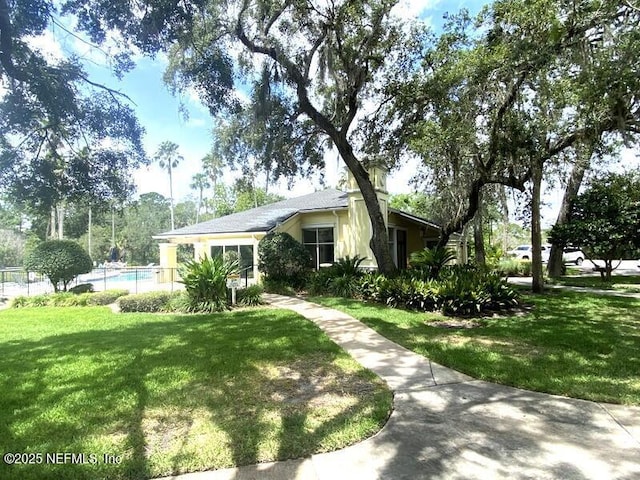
(320, 244)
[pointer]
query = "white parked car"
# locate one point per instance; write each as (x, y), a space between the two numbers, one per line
(523, 252)
(573, 255)
(570, 255)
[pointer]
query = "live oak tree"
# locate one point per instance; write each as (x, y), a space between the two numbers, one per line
(604, 220)
(313, 61)
(63, 137)
(497, 104)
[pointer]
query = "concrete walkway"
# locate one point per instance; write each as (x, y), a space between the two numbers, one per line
(446, 425)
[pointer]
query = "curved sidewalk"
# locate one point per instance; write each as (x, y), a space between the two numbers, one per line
(446, 425)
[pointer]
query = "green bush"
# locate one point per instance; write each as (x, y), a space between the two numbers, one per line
(82, 288)
(467, 290)
(205, 282)
(57, 299)
(283, 259)
(512, 267)
(281, 287)
(250, 296)
(59, 260)
(150, 302)
(341, 279)
(178, 303)
(107, 297)
(428, 262)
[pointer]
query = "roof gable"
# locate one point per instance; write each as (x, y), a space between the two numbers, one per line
(266, 217)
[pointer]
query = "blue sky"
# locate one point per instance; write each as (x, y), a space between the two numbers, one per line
(159, 112)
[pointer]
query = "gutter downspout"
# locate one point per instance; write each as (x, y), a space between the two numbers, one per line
(336, 241)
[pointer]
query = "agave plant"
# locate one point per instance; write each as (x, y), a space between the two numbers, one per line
(205, 281)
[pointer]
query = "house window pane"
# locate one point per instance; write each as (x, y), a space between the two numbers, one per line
(313, 253)
(325, 254)
(246, 259)
(309, 236)
(319, 244)
(216, 251)
(325, 235)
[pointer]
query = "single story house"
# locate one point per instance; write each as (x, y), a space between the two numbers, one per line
(331, 224)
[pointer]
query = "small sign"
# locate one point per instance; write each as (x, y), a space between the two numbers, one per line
(233, 281)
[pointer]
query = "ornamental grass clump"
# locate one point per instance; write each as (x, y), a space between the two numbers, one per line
(205, 282)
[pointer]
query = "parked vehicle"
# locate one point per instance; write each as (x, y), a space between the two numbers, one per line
(524, 252)
(570, 255)
(573, 255)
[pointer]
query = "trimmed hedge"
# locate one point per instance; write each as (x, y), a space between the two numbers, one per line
(59, 299)
(107, 297)
(150, 302)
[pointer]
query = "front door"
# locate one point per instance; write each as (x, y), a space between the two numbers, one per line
(401, 248)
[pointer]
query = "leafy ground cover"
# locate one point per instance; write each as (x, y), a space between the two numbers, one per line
(624, 283)
(169, 393)
(575, 344)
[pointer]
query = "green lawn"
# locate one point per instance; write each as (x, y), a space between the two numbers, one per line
(624, 283)
(575, 344)
(171, 394)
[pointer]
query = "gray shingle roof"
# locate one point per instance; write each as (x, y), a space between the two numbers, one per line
(263, 219)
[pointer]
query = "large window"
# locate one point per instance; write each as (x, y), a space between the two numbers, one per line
(319, 244)
(244, 252)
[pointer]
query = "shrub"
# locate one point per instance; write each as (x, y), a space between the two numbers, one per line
(429, 261)
(346, 286)
(57, 299)
(178, 302)
(205, 282)
(346, 266)
(514, 268)
(466, 290)
(107, 297)
(60, 260)
(340, 279)
(280, 287)
(250, 296)
(150, 302)
(82, 288)
(283, 259)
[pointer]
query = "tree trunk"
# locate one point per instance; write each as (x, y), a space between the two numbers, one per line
(478, 235)
(583, 162)
(536, 231)
(173, 225)
(502, 196)
(52, 224)
(379, 242)
(89, 233)
(60, 211)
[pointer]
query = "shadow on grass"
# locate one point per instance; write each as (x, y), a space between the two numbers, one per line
(576, 344)
(170, 394)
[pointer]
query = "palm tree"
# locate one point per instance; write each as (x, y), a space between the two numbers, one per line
(199, 182)
(168, 158)
(212, 165)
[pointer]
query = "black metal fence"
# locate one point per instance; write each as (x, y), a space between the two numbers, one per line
(17, 281)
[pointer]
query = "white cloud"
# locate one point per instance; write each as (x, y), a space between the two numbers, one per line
(412, 9)
(48, 45)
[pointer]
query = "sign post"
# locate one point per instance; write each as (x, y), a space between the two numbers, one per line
(233, 282)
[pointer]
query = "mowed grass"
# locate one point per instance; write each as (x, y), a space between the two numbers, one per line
(575, 344)
(169, 394)
(623, 283)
